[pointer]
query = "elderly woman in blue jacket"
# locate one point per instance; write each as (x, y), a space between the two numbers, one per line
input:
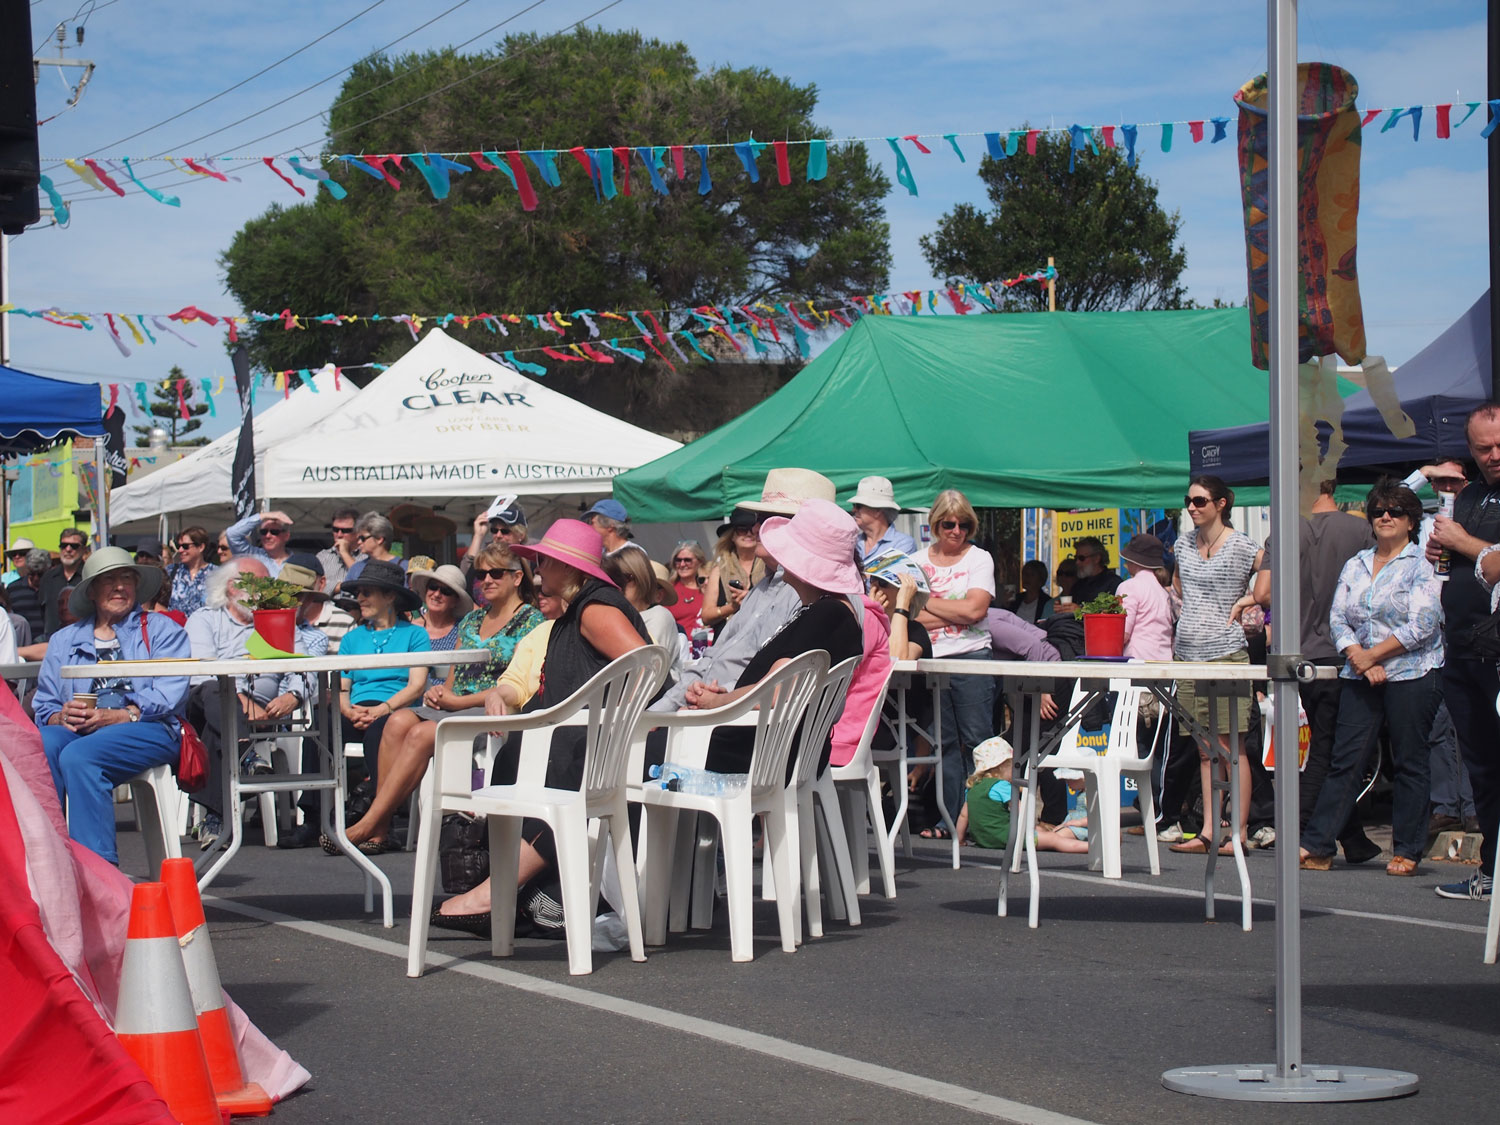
(101, 731)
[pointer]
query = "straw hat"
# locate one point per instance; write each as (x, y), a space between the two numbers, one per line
(449, 577)
(816, 545)
(572, 543)
(106, 560)
(664, 583)
(786, 489)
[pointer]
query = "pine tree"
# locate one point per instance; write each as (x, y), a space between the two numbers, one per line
(164, 407)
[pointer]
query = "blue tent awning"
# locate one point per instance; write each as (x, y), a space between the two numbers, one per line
(1438, 387)
(36, 411)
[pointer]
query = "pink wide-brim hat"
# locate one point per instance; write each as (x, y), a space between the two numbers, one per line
(817, 545)
(572, 543)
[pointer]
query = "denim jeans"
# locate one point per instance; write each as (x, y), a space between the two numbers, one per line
(87, 767)
(1407, 706)
(968, 709)
(1451, 793)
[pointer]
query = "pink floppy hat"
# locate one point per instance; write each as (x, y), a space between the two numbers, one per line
(572, 543)
(817, 545)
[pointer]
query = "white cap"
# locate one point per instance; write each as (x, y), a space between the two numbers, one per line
(991, 753)
(20, 545)
(875, 492)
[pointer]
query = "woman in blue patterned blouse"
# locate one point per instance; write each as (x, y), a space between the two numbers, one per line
(1387, 620)
(407, 742)
(191, 570)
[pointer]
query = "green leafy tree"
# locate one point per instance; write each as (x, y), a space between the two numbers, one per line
(478, 251)
(168, 413)
(1114, 246)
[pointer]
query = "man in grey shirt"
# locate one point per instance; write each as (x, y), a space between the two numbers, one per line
(769, 605)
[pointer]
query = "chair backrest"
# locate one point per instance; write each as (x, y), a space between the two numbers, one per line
(615, 699)
(784, 696)
(822, 712)
(861, 758)
(1122, 722)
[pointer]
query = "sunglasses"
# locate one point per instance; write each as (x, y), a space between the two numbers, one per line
(186, 545)
(953, 525)
(362, 538)
(340, 530)
(435, 588)
(273, 530)
(497, 573)
(689, 561)
(1196, 501)
(362, 592)
(70, 546)
(1393, 513)
(18, 554)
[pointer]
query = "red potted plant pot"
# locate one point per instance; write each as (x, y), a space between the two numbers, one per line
(1104, 634)
(278, 628)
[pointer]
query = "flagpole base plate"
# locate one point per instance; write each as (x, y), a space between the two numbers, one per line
(1259, 1082)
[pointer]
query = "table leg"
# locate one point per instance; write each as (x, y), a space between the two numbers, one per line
(938, 683)
(903, 795)
(333, 808)
(1237, 800)
(219, 855)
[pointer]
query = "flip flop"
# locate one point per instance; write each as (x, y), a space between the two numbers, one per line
(938, 832)
(378, 847)
(1226, 847)
(1195, 846)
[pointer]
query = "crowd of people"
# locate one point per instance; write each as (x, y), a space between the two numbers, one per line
(793, 571)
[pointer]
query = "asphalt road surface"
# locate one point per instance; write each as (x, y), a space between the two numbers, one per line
(934, 1009)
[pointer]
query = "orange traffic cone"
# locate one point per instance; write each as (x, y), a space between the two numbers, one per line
(154, 1018)
(234, 1094)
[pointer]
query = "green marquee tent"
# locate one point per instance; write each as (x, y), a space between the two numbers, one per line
(1051, 410)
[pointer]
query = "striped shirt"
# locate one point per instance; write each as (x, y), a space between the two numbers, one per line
(1210, 587)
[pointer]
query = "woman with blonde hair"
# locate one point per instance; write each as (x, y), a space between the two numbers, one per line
(961, 576)
(648, 588)
(689, 565)
(736, 568)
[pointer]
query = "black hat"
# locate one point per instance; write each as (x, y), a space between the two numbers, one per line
(381, 575)
(739, 518)
(1145, 550)
(150, 546)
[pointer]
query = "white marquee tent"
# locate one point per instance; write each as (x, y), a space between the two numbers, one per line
(198, 486)
(445, 422)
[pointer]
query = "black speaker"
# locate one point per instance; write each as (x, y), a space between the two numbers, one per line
(20, 160)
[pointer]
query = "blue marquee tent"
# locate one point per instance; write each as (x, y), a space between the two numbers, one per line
(36, 411)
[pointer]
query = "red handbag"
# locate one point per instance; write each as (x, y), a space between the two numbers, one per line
(192, 758)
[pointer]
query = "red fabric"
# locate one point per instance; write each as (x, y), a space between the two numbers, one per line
(1371, 115)
(480, 162)
(783, 165)
(523, 181)
(678, 164)
(1031, 136)
(269, 163)
(623, 155)
(51, 1028)
(1196, 129)
(1442, 120)
(1109, 136)
(916, 141)
(104, 177)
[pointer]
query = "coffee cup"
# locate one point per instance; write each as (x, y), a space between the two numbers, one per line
(87, 698)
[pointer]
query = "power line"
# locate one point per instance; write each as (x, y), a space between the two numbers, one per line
(242, 82)
(414, 101)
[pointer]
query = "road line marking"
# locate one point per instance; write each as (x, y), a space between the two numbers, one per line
(1002, 1109)
(1186, 892)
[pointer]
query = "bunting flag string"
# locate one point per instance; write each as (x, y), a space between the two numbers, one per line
(697, 327)
(608, 169)
(762, 315)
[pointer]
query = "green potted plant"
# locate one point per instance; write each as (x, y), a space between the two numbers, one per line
(273, 603)
(1103, 620)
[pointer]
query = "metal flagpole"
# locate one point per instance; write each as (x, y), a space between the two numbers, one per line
(1289, 1079)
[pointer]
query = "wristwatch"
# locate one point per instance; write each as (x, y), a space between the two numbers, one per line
(135, 714)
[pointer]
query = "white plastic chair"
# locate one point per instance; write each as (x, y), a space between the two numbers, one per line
(1492, 930)
(158, 804)
(822, 712)
(773, 708)
(608, 705)
(858, 785)
(1102, 772)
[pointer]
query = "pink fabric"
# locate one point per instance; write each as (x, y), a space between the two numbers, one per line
(1148, 617)
(865, 689)
(84, 901)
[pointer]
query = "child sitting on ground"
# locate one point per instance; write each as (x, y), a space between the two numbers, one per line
(1072, 835)
(986, 812)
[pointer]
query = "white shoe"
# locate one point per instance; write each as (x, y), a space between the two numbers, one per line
(1263, 837)
(1172, 834)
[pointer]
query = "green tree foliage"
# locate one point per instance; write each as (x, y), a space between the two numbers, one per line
(479, 251)
(168, 414)
(1114, 245)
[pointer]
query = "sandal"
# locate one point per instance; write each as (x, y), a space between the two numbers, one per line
(1195, 846)
(936, 832)
(1226, 846)
(328, 844)
(1401, 865)
(378, 847)
(1316, 863)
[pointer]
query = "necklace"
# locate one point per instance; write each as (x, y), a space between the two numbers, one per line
(1208, 550)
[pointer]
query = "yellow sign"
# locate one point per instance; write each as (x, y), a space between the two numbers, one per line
(1069, 527)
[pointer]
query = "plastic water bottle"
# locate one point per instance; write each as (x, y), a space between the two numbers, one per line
(700, 783)
(1444, 562)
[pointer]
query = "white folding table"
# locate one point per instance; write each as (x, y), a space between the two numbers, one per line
(1023, 678)
(324, 728)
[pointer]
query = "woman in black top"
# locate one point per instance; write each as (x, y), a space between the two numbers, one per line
(598, 626)
(816, 550)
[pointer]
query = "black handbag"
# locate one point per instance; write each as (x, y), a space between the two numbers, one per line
(463, 852)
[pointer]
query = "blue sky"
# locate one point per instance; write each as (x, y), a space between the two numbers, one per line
(881, 67)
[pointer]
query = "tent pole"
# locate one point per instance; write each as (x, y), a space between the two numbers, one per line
(1289, 1080)
(1052, 281)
